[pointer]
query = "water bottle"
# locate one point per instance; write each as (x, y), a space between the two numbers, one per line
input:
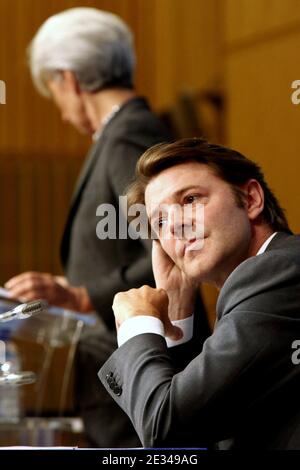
(10, 394)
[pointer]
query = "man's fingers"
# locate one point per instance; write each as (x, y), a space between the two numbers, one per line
(21, 278)
(30, 281)
(27, 292)
(33, 287)
(145, 300)
(28, 284)
(14, 281)
(61, 280)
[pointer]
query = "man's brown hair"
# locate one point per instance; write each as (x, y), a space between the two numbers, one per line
(229, 165)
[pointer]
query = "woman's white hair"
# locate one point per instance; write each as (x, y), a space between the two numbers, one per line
(95, 45)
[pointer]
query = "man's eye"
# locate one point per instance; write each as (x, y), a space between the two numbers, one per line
(161, 222)
(191, 198)
(158, 224)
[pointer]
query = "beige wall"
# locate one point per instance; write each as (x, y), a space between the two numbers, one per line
(261, 50)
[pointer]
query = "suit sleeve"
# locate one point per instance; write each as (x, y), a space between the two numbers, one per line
(166, 406)
(237, 378)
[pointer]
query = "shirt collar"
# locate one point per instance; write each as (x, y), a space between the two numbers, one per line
(265, 244)
(105, 121)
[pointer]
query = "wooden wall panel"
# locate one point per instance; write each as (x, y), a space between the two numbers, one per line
(256, 20)
(34, 199)
(261, 119)
(188, 47)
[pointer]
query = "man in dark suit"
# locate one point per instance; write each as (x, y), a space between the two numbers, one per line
(84, 59)
(242, 390)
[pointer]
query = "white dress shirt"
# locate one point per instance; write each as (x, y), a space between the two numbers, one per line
(147, 324)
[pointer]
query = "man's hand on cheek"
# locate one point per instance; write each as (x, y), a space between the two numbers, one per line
(181, 290)
(145, 301)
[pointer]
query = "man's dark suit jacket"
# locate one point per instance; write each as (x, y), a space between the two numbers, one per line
(106, 267)
(243, 387)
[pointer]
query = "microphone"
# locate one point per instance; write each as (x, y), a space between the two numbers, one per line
(24, 311)
(17, 378)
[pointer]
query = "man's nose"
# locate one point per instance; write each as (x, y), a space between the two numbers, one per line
(179, 222)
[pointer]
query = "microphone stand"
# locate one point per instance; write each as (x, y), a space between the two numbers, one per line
(20, 312)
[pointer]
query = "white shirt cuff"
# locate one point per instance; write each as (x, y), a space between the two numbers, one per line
(186, 324)
(147, 324)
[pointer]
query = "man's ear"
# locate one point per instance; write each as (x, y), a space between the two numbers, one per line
(254, 198)
(70, 81)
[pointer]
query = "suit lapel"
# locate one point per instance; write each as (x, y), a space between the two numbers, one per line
(278, 240)
(95, 151)
(86, 170)
(82, 180)
(237, 287)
